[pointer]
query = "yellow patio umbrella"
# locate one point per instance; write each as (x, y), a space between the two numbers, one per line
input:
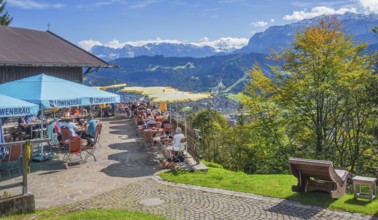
(173, 97)
(113, 86)
(135, 89)
(199, 96)
(154, 90)
(168, 93)
(178, 96)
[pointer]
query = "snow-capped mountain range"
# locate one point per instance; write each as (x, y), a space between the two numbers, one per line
(274, 37)
(167, 48)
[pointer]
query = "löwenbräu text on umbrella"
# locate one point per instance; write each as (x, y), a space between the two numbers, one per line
(14, 111)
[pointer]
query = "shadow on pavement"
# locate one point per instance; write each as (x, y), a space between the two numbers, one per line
(318, 201)
(133, 159)
(286, 208)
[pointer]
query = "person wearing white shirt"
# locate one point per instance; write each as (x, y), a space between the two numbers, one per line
(176, 143)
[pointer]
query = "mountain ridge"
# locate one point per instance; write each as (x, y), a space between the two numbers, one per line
(200, 74)
(274, 37)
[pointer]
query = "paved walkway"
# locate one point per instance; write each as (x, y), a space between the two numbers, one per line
(123, 178)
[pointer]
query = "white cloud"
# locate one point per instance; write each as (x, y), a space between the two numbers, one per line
(157, 41)
(222, 44)
(88, 44)
(115, 44)
(317, 11)
(272, 20)
(259, 24)
(370, 6)
(144, 3)
(30, 4)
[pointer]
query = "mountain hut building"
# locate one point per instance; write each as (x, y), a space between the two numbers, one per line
(26, 52)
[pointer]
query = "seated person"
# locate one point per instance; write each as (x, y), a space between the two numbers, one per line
(139, 120)
(4, 152)
(134, 107)
(67, 113)
(51, 132)
(165, 121)
(22, 123)
(158, 117)
(30, 118)
(90, 132)
(148, 113)
(107, 112)
(149, 122)
(70, 125)
(155, 109)
(85, 111)
(141, 106)
(57, 126)
(75, 111)
(26, 123)
(176, 142)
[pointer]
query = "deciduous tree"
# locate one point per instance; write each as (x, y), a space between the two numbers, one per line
(321, 96)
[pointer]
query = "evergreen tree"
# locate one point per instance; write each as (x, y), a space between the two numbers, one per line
(5, 19)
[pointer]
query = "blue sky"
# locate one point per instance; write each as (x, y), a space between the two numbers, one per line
(116, 22)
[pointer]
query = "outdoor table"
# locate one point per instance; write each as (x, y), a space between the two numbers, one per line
(370, 182)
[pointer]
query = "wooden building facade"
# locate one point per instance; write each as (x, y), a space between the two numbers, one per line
(25, 52)
(11, 73)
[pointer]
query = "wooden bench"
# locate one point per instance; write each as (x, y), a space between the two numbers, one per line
(319, 175)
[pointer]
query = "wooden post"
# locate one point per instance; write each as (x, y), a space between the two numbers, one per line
(24, 171)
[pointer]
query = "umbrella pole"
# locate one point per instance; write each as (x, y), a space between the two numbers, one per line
(170, 112)
(41, 132)
(41, 157)
(176, 115)
(101, 114)
(186, 135)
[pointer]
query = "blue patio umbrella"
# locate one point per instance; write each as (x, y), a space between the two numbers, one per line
(52, 92)
(12, 107)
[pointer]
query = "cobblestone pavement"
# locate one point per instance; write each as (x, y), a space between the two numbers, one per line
(178, 201)
(121, 159)
(123, 178)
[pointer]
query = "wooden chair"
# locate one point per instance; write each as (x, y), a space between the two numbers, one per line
(66, 136)
(148, 137)
(178, 154)
(74, 149)
(13, 160)
(319, 175)
(90, 150)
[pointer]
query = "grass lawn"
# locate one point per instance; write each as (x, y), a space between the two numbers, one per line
(277, 186)
(88, 214)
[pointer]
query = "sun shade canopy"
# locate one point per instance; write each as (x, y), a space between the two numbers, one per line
(12, 107)
(52, 92)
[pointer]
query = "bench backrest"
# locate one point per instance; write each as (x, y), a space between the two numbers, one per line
(320, 169)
